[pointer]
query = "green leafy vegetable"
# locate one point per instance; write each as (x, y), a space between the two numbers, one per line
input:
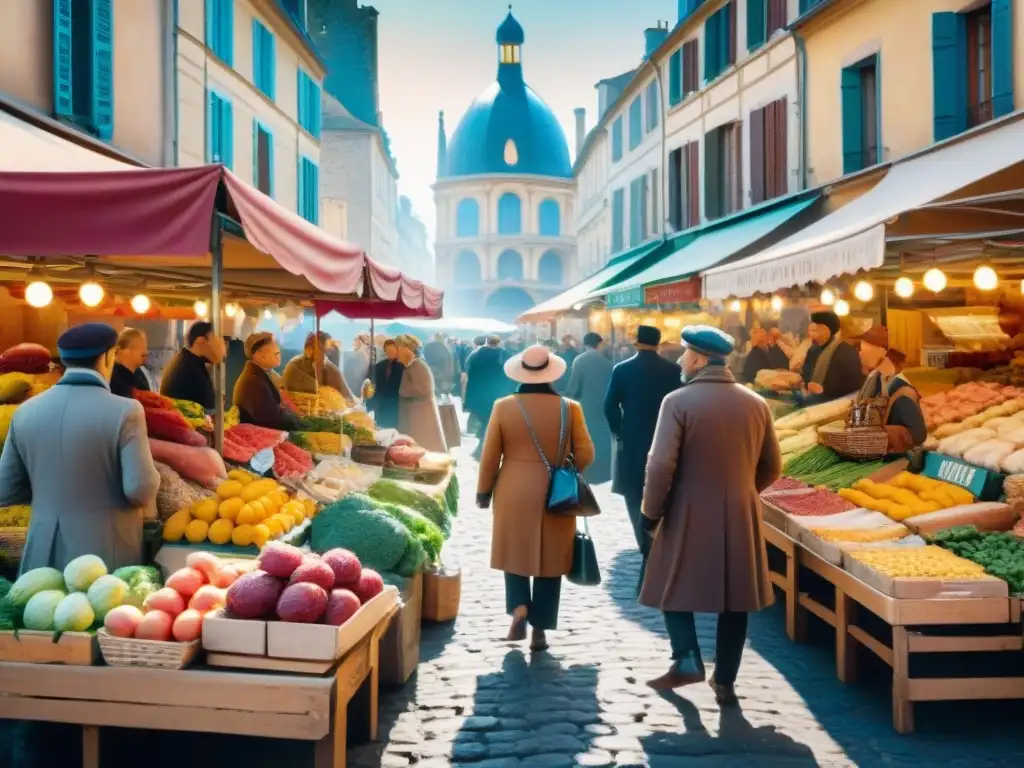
(389, 491)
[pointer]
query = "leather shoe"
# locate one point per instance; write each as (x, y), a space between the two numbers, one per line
(678, 675)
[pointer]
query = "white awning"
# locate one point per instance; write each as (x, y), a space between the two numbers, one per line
(853, 237)
(25, 147)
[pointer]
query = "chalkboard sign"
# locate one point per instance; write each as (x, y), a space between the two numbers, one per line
(985, 484)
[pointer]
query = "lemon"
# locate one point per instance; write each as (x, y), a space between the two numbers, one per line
(229, 489)
(220, 531)
(229, 508)
(258, 488)
(243, 535)
(197, 530)
(174, 527)
(261, 534)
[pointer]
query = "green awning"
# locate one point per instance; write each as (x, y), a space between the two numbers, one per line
(565, 301)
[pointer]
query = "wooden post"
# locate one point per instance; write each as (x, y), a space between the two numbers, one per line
(216, 301)
(847, 646)
(902, 706)
(90, 746)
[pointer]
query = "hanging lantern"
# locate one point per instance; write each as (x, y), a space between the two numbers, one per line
(200, 308)
(903, 287)
(140, 304)
(38, 294)
(985, 278)
(864, 291)
(828, 297)
(842, 308)
(934, 280)
(776, 303)
(268, 315)
(231, 309)
(91, 293)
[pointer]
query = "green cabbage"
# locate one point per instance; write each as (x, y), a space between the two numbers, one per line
(32, 582)
(429, 535)
(391, 492)
(73, 613)
(83, 571)
(376, 538)
(39, 613)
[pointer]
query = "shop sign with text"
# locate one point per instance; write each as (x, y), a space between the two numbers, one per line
(680, 292)
(634, 297)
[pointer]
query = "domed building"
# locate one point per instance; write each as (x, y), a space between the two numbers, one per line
(504, 197)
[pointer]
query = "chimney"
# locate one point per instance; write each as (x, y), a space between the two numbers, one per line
(581, 128)
(653, 39)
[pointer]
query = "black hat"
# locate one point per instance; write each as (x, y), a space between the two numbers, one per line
(649, 335)
(828, 318)
(86, 341)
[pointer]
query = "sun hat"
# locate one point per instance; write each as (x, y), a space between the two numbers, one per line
(535, 365)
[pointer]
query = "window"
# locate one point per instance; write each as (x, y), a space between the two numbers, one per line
(467, 269)
(691, 68)
(549, 270)
(510, 154)
(653, 105)
(467, 218)
(309, 104)
(83, 72)
(675, 77)
(684, 187)
(860, 115)
(220, 29)
(769, 169)
(309, 190)
(719, 42)
(219, 130)
(264, 68)
(510, 266)
(262, 159)
(550, 218)
(509, 54)
(763, 18)
(617, 140)
(723, 180)
(638, 210)
(510, 214)
(618, 216)
(636, 124)
(979, 65)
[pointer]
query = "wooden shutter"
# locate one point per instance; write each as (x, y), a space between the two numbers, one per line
(675, 77)
(729, 36)
(1002, 57)
(711, 46)
(713, 174)
(735, 148)
(675, 209)
(227, 134)
(693, 182)
(949, 74)
(102, 23)
(758, 128)
(853, 140)
(756, 24)
(653, 198)
(63, 105)
(781, 147)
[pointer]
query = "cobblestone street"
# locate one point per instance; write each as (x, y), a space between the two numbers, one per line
(480, 701)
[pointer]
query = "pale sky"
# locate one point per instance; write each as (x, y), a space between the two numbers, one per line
(440, 55)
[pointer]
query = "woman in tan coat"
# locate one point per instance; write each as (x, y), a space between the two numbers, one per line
(527, 543)
(418, 416)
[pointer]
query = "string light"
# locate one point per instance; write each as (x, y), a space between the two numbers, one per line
(934, 279)
(231, 309)
(268, 315)
(903, 287)
(140, 303)
(864, 291)
(985, 279)
(842, 308)
(200, 308)
(91, 293)
(776, 303)
(38, 294)
(734, 305)
(828, 297)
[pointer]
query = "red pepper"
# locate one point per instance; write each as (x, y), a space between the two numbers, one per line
(154, 400)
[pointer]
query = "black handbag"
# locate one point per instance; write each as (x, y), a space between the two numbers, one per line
(568, 493)
(585, 571)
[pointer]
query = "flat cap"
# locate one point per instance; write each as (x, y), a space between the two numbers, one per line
(708, 340)
(255, 341)
(86, 341)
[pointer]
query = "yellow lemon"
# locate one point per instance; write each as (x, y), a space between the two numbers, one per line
(243, 535)
(274, 526)
(229, 488)
(229, 508)
(279, 497)
(220, 531)
(197, 530)
(174, 527)
(247, 515)
(261, 534)
(269, 505)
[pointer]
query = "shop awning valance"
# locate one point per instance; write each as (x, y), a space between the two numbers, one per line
(27, 147)
(853, 237)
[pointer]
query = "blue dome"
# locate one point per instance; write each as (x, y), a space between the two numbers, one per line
(510, 32)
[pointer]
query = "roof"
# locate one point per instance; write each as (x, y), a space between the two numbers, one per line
(301, 31)
(510, 32)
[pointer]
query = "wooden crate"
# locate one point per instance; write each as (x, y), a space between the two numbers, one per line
(442, 593)
(30, 647)
(400, 648)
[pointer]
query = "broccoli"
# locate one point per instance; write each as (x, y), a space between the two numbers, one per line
(429, 535)
(376, 538)
(389, 491)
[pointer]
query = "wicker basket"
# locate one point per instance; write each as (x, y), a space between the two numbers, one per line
(855, 443)
(129, 652)
(442, 593)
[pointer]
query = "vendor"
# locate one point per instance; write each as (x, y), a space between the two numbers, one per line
(129, 356)
(765, 353)
(186, 376)
(256, 396)
(832, 368)
(311, 370)
(903, 420)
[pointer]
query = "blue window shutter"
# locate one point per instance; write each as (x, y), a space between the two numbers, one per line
(211, 24)
(853, 138)
(227, 134)
(270, 161)
(103, 69)
(302, 108)
(711, 55)
(226, 41)
(270, 54)
(725, 26)
(675, 77)
(618, 214)
(949, 74)
(317, 118)
(636, 127)
(1002, 57)
(300, 197)
(756, 23)
(314, 193)
(617, 140)
(62, 103)
(257, 54)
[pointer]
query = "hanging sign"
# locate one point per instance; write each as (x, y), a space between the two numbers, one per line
(680, 292)
(983, 483)
(634, 297)
(262, 461)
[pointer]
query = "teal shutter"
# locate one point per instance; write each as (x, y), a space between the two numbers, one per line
(300, 197)
(227, 134)
(853, 134)
(103, 69)
(1002, 58)
(212, 19)
(756, 23)
(270, 61)
(314, 193)
(227, 31)
(675, 77)
(949, 74)
(711, 47)
(270, 161)
(712, 175)
(725, 47)
(257, 54)
(317, 118)
(303, 95)
(636, 124)
(63, 106)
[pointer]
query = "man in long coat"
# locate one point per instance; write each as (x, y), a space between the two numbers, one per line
(714, 451)
(485, 383)
(588, 385)
(631, 405)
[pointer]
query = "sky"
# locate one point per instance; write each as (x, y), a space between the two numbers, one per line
(440, 55)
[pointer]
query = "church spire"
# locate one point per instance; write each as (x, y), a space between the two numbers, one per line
(510, 38)
(442, 147)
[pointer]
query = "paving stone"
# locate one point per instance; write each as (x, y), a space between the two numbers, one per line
(618, 743)
(535, 745)
(595, 758)
(480, 723)
(469, 750)
(547, 761)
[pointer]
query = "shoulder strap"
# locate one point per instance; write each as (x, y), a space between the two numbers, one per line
(533, 433)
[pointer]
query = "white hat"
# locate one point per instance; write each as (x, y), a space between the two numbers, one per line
(535, 365)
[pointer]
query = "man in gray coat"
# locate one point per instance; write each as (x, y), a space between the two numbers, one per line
(80, 456)
(588, 385)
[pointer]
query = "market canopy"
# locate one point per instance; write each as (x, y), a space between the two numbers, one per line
(854, 237)
(477, 325)
(27, 147)
(567, 300)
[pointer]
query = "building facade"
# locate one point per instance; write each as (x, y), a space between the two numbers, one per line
(414, 251)
(249, 86)
(888, 79)
(504, 197)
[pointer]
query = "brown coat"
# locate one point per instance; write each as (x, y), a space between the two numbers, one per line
(714, 451)
(527, 540)
(418, 416)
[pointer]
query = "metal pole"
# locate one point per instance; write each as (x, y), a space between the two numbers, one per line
(216, 288)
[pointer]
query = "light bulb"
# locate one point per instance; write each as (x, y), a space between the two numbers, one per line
(985, 279)
(91, 293)
(903, 287)
(38, 294)
(268, 315)
(776, 303)
(200, 308)
(828, 297)
(735, 305)
(617, 315)
(231, 309)
(140, 303)
(934, 280)
(864, 291)
(842, 308)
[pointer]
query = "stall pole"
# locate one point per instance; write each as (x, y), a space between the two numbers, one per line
(216, 288)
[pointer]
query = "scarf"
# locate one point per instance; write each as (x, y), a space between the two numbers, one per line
(825, 359)
(711, 373)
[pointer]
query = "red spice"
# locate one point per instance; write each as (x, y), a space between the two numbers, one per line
(814, 504)
(783, 484)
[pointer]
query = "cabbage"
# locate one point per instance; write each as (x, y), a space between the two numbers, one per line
(83, 571)
(32, 582)
(105, 594)
(137, 593)
(40, 609)
(73, 614)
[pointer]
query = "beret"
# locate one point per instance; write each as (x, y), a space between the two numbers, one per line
(255, 341)
(647, 334)
(707, 340)
(85, 341)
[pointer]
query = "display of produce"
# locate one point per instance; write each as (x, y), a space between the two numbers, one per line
(821, 466)
(25, 358)
(777, 380)
(811, 502)
(175, 492)
(170, 425)
(200, 465)
(966, 401)
(931, 562)
(332, 479)
(322, 443)
(1000, 554)
(815, 415)
(986, 516)
(862, 535)
(394, 492)
(326, 401)
(243, 441)
(357, 523)
(906, 495)
(194, 414)
(16, 516)
(783, 484)
(291, 461)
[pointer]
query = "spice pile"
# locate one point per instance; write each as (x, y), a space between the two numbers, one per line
(812, 502)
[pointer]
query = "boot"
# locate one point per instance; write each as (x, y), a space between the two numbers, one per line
(539, 641)
(685, 671)
(725, 695)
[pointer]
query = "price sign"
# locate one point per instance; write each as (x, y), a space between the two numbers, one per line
(262, 461)
(983, 483)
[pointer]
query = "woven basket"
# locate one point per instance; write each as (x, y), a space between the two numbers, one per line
(442, 593)
(129, 652)
(857, 443)
(12, 542)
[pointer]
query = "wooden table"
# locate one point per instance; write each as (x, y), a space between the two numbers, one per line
(274, 705)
